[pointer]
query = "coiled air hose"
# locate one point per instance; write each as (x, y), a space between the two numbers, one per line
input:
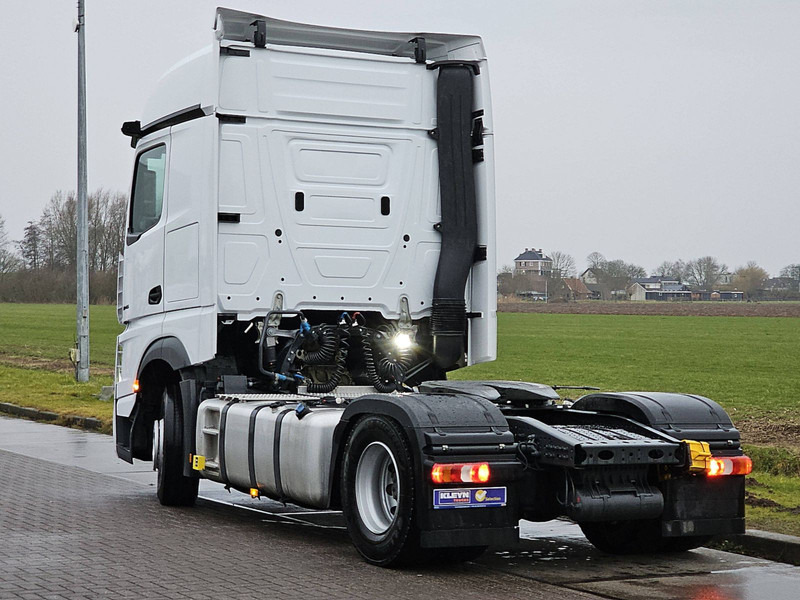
(331, 340)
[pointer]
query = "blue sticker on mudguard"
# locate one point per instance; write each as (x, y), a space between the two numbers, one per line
(469, 497)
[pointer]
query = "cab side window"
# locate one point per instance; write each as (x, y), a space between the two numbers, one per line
(148, 190)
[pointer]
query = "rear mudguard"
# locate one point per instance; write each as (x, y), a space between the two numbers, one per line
(682, 416)
(694, 505)
(454, 427)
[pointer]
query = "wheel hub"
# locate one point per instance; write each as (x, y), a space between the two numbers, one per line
(377, 488)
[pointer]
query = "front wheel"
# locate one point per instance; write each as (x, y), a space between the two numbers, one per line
(174, 489)
(378, 492)
(637, 537)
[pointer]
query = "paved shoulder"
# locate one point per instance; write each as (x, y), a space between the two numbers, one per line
(71, 533)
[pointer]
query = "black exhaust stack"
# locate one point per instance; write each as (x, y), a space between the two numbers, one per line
(459, 224)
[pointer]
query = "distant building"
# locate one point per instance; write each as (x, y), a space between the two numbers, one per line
(718, 295)
(576, 289)
(780, 284)
(658, 288)
(533, 262)
(589, 277)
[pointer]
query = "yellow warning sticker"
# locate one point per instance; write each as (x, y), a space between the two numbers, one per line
(198, 462)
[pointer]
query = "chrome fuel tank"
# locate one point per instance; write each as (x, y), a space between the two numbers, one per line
(263, 444)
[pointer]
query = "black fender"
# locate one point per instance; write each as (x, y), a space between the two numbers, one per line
(166, 353)
(429, 421)
(681, 416)
(168, 349)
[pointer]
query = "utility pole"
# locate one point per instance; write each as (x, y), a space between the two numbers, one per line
(82, 362)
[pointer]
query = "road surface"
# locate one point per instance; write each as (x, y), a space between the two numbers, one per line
(76, 522)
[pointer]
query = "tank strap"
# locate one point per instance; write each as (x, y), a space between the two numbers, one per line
(251, 443)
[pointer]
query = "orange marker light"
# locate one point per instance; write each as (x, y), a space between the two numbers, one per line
(716, 467)
(135, 385)
(436, 474)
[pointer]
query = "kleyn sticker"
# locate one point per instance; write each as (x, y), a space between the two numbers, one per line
(469, 497)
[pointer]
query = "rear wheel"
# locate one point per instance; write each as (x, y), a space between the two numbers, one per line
(637, 537)
(378, 492)
(455, 555)
(684, 544)
(174, 489)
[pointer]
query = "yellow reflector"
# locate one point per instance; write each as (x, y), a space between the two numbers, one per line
(254, 493)
(135, 385)
(198, 462)
(699, 455)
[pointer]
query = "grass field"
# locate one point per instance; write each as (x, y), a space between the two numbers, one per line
(35, 369)
(749, 365)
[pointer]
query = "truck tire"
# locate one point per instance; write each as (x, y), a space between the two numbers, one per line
(684, 544)
(173, 488)
(378, 492)
(637, 537)
(456, 555)
(625, 537)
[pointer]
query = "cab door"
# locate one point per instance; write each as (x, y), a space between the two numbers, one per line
(143, 284)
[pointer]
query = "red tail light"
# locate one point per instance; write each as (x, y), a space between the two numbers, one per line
(460, 473)
(729, 465)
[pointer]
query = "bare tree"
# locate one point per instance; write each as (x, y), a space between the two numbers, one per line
(750, 278)
(59, 231)
(793, 272)
(595, 260)
(619, 269)
(704, 273)
(106, 228)
(8, 260)
(563, 264)
(3, 234)
(672, 269)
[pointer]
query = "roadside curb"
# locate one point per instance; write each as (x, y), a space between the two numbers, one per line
(89, 423)
(764, 544)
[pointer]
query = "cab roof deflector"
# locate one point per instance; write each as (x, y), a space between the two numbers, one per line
(238, 26)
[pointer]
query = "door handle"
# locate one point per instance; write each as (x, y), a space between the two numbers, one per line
(154, 297)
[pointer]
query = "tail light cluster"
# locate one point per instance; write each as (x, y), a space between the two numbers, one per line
(702, 461)
(460, 473)
(729, 465)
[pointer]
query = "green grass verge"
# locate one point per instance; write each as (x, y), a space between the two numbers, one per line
(47, 331)
(56, 392)
(775, 461)
(35, 370)
(773, 502)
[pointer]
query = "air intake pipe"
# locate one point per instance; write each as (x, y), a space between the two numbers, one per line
(459, 221)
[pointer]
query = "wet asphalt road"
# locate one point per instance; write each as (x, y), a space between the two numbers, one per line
(552, 561)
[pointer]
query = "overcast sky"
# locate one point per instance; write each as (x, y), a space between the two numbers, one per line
(647, 131)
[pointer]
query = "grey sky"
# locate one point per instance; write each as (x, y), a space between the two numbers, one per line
(647, 131)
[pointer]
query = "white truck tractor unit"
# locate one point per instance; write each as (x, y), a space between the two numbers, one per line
(310, 248)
